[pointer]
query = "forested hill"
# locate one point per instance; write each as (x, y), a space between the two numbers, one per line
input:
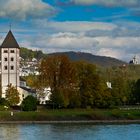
(75, 56)
(98, 60)
(29, 54)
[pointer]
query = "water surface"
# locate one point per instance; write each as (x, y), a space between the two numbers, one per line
(69, 132)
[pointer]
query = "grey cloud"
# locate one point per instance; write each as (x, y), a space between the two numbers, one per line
(136, 11)
(117, 32)
(25, 9)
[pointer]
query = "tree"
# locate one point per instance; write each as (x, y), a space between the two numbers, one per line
(29, 103)
(75, 100)
(136, 92)
(58, 73)
(33, 81)
(3, 101)
(12, 95)
(89, 83)
(121, 88)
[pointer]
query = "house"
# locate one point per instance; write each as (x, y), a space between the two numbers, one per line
(44, 96)
(134, 61)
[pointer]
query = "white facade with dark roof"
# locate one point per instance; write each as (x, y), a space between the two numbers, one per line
(9, 62)
(10, 69)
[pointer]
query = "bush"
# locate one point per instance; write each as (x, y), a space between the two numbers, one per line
(3, 101)
(29, 103)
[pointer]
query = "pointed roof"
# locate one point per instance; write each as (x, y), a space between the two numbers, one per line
(10, 41)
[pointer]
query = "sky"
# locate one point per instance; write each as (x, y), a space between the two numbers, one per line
(101, 27)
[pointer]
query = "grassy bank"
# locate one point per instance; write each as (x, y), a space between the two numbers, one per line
(71, 115)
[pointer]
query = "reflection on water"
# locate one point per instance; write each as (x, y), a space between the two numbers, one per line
(69, 132)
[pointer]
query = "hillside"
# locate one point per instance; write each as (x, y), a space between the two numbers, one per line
(75, 56)
(29, 54)
(98, 60)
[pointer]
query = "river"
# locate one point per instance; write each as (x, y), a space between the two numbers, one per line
(69, 132)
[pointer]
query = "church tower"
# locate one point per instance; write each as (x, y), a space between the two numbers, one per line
(9, 62)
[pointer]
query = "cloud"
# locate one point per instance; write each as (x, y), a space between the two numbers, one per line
(25, 9)
(109, 3)
(92, 29)
(75, 26)
(62, 42)
(135, 11)
(116, 32)
(120, 40)
(110, 52)
(119, 47)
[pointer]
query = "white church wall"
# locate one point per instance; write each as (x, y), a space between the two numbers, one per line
(9, 67)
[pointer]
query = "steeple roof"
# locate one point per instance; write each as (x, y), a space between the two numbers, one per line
(10, 41)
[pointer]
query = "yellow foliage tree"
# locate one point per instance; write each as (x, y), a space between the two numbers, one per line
(12, 95)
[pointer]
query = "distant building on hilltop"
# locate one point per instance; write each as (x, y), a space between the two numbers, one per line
(134, 61)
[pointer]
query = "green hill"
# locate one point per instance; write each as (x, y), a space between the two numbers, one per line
(74, 56)
(98, 60)
(132, 71)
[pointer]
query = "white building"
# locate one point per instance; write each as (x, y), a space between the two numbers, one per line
(134, 61)
(10, 61)
(44, 96)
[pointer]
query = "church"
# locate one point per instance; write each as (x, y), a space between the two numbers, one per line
(10, 63)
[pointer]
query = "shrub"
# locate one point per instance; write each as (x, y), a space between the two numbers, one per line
(3, 101)
(29, 103)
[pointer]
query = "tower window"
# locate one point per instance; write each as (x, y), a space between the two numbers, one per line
(5, 59)
(5, 67)
(5, 51)
(12, 51)
(12, 67)
(12, 59)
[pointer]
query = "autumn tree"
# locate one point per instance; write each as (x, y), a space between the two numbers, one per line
(121, 87)
(58, 72)
(88, 82)
(33, 81)
(12, 95)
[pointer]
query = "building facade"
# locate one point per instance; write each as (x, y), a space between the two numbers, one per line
(10, 52)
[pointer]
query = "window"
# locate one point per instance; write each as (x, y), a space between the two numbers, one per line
(5, 51)
(5, 67)
(12, 59)
(12, 51)
(12, 67)
(5, 59)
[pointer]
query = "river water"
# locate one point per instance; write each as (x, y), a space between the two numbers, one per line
(69, 132)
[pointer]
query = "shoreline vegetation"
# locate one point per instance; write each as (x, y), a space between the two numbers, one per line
(71, 116)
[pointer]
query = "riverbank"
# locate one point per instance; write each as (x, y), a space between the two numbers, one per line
(99, 122)
(72, 116)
